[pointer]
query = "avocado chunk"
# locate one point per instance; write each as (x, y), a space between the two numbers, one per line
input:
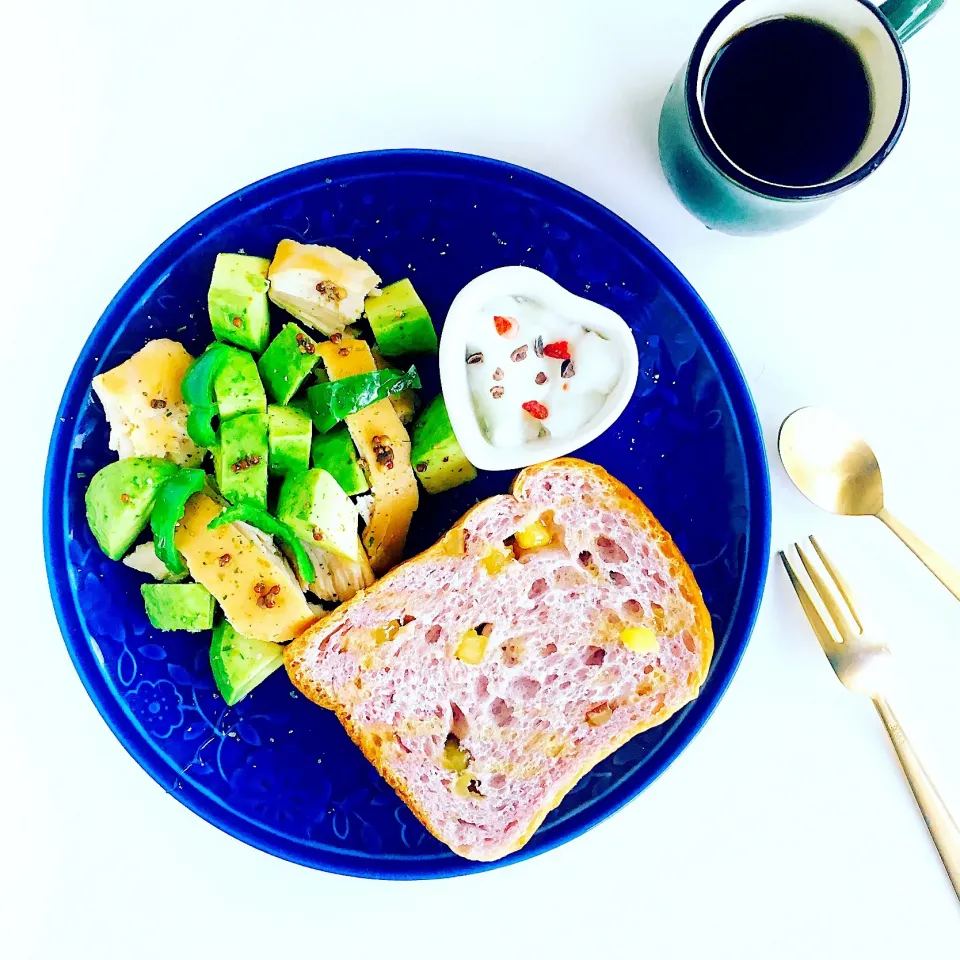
(241, 456)
(241, 663)
(290, 431)
(301, 403)
(237, 387)
(314, 504)
(178, 606)
(336, 453)
(436, 456)
(237, 300)
(120, 499)
(287, 362)
(400, 321)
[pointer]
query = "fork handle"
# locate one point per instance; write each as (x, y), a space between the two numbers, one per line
(937, 817)
(947, 574)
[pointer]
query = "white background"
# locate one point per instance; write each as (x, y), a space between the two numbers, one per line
(786, 829)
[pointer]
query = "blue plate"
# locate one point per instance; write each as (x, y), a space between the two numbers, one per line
(276, 771)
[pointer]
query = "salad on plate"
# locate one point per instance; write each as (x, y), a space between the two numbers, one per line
(276, 474)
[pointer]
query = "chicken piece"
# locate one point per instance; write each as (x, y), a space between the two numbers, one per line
(144, 407)
(383, 442)
(321, 286)
(337, 579)
(244, 571)
(144, 559)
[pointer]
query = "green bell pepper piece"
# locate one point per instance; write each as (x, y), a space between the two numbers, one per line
(257, 517)
(197, 390)
(172, 497)
(332, 402)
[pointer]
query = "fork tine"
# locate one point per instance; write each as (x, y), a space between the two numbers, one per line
(809, 608)
(826, 597)
(838, 579)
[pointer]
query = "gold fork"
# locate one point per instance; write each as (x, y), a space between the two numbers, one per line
(860, 663)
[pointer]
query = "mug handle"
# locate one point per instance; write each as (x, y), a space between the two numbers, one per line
(908, 16)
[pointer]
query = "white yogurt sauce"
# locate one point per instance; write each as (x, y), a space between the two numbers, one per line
(504, 376)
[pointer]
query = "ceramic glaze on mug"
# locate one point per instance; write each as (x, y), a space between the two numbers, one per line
(701, 163)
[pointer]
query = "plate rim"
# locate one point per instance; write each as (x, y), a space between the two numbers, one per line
(758, 496)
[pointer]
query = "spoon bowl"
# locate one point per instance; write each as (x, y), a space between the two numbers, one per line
(835, 469)
(830, 465)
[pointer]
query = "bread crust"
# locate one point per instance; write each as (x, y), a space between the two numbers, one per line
(618, 497)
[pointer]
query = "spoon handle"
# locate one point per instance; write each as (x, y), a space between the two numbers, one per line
(948, 575)
(943, 829)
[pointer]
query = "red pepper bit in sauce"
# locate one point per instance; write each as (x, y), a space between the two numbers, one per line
(506, 326)
(559, 350)
(536, 409)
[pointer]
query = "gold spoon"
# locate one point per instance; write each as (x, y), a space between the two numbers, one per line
(835, 469)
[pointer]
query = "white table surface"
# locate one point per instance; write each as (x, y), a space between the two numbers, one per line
(785, 829)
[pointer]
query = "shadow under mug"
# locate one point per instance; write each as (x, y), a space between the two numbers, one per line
(724, 196)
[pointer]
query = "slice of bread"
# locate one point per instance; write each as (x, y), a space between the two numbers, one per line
(483, 680)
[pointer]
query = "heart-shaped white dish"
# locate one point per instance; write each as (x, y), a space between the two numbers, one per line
(529, 284)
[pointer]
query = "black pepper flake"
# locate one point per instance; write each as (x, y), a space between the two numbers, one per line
(245, 463)
(496, 392)
(519, 354)
(306, 347)
(331, 291)
(158, 404)
(538, 346)
(540, 379)
(383, 450)
(567, 369)
(475, 357)
(421, 466)
(498, 373)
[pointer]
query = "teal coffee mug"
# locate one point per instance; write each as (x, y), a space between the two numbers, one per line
(784, 104)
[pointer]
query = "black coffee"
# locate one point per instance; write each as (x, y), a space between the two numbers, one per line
(788, 101)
